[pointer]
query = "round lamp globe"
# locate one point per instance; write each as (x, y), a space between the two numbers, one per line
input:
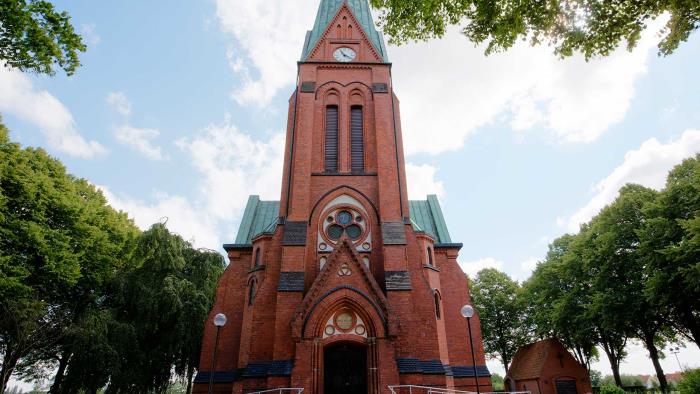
(467, 311)
(220, 320)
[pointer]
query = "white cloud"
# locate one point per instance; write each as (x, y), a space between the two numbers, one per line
(526, 267)
(421, 181)
(471, 268)
(182, 217)
(89, 34)
(20, 98)
(231, 165)
(458, 89)
(270, 35)
(140, 139)
(118, 102)
(461, 90)
(647, 166)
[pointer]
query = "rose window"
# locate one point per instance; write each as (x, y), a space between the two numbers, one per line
(344, 222)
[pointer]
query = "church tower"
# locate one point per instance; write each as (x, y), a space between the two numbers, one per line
(343, 286)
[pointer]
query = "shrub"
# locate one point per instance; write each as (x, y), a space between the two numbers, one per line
(690, 384)
(611, 389)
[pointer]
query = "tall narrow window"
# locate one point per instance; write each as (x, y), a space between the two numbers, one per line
(430, 257)
(251, 292)
(257, 257)
(436, 297)
(331, 158)
(357, 144)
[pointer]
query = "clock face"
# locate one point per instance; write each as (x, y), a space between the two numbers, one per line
(344, 54)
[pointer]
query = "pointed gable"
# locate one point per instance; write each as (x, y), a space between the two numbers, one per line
(327, 11)
(342, 264)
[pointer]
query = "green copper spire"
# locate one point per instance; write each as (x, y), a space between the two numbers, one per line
(327, 10)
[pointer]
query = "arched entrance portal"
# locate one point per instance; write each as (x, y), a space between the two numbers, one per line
(345, 368)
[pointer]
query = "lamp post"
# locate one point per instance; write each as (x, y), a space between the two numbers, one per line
(219, 321)
(467, 312)
(675, 352)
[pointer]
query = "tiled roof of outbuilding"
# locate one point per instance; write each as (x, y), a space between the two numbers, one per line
(326, 12)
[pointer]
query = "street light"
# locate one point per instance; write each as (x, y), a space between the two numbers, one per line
(219, 321)
(675, 351)
(467, 312)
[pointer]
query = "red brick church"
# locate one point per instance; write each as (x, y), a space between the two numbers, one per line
(344, 285)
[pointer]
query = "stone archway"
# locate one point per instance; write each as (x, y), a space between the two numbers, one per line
(345, 354)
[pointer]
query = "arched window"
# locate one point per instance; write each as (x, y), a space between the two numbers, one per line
(436, 297)
(430, 257)
(258, 258)
(331, 150)
(251, 291)
(357, 143)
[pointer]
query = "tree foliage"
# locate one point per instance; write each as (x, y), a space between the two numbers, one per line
(59, 243)
(590, 27)
(35, 37)
(690, 384)
(84, 294)
(631, 273)
(502, 314)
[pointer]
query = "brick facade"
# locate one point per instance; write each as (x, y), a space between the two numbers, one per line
(310, 289)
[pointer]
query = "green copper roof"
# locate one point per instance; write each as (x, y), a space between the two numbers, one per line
(427, 216)
(261, 217)
(327, 10)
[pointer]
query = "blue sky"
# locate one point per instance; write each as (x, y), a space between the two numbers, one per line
(178, 113)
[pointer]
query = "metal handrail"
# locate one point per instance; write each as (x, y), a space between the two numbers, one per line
(440, 390)
(280, 390)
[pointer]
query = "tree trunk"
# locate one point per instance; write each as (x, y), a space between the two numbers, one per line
(58, 380)
(190, 375)
(654, 355)
(691, 324)
(614, 364)
(8, 366)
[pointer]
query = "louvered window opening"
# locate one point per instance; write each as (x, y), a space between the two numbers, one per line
(331, 151)
(357, 144)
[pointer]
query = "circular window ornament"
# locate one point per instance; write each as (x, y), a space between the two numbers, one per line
(366, 246)
(353, 231)
(322, 246)
(344, 218)
(344, 321)
(360, 329)
(330, 330)
(344, 221)
(335, 232)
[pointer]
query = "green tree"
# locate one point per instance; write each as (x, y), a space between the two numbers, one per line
(671, 241)
(497, 382)
(690, 384)
(166, 301)
(501, 312)
(590, 27)
(35, 37)
(618, 268)
(59, 242)
(558, 295)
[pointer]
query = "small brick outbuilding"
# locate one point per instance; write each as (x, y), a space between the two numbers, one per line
(546, 367)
